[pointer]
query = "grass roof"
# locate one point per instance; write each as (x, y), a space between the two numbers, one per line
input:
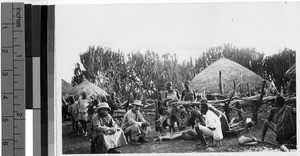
(208, 79)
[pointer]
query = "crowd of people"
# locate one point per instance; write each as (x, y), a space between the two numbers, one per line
(107, 135)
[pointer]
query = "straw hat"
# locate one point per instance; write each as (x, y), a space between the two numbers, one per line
(103, 105)
(137, 103)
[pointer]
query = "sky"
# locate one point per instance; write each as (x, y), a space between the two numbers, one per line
(185, 29)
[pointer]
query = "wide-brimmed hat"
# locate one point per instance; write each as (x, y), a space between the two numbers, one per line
(137, 103)
(103, 105)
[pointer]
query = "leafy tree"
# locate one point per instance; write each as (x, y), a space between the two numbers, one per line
(145, 74)
(277, 64)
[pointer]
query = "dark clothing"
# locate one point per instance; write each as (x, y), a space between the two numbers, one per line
(98, 139)
(189, 95)
(162, 107)
(92, 108)
(285, 123)
(282, 120)
(113, 104)
(273, 112)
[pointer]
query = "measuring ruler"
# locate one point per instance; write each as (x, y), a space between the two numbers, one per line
(13, 79)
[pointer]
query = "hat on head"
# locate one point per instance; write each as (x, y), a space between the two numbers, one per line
(137, 103)
(103, 105)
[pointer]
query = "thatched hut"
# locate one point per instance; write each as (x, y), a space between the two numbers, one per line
(65, 87)
(208, 79)
(89, 89)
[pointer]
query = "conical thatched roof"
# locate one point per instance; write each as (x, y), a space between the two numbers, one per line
(65, 87)
(89, 88)
(208, 79)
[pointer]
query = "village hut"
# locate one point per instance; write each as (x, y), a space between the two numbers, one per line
(89, 89)
(208, 79)
(65, 87)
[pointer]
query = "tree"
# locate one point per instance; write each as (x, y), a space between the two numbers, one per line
(277, 64)
(78, 75)
(145, 74)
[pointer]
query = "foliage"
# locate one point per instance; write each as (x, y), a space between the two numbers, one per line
(145, 74)
(276, 65)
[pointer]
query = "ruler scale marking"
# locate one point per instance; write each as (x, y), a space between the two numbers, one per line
(13, 77)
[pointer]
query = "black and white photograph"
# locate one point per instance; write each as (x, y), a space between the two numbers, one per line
(164, 78)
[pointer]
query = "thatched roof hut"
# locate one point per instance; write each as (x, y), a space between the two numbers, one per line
(65, 87)
(208, 79)
(89, 88)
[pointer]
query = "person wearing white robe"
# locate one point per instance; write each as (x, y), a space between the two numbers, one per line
(107, 136)
(134, 122)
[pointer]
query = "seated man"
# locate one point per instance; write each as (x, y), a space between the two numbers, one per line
(134, 123)
(212, 126)
(281, 120)
(106, 135)
(221, 115)
(223, 119)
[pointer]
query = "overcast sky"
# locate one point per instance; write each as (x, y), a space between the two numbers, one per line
(184, 29)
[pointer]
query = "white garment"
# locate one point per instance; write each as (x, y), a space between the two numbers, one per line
(82, 109)
(212, 121)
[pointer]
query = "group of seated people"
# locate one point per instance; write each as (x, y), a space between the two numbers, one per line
(107, 135)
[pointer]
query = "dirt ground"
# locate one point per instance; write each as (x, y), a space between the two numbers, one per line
(81, 145)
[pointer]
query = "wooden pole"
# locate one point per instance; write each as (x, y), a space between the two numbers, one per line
(248, 88)
(226, 107)
(259, 103)
(240, 112)
(241, 91)
(220, 83)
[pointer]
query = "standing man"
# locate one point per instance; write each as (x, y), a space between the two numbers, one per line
(107, 136)
(212, 125)
(134, 123)
(171, 94)
(73, 110)
(113, 103)
(188, 94)
(82, 112)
